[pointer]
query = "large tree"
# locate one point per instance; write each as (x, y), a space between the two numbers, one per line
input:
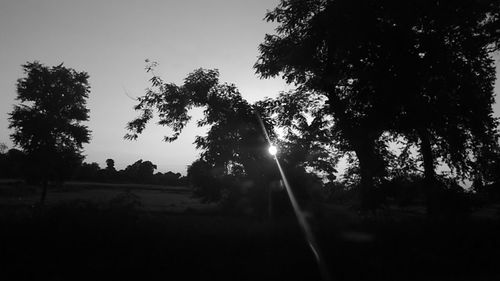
(331, 48)
(47, 121)
(306, 140)
(234, 144)
(449, 112)
(140, 171)
(418, 68)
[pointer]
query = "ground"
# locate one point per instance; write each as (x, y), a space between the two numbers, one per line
(92, 231)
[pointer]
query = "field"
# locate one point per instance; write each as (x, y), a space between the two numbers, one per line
(91, 231)
(149, 197)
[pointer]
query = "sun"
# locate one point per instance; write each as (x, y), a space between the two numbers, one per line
(273, 150)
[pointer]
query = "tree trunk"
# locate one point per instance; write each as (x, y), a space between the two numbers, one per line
(44, 192)
(429, 172)
(366, 157)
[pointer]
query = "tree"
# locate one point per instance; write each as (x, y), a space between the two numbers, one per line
(3, 161)
(455, 74)
(140, 171)
(306, 142)
(110, 165)
(3, 148)
(109, 173)
(88, 172)
(169, 178)
(234, 143)
(381, 64)
(12, 164)
(328, 48)
(204, 183)
(47, 121)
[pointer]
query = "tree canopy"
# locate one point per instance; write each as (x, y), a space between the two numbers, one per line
(420, 69)
(47, 120)
(234, 138)
(234, 146)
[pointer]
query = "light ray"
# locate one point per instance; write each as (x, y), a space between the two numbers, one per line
(299, 214)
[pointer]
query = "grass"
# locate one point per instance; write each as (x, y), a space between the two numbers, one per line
(115, 239)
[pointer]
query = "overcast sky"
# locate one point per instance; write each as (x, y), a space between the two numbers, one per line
(111, 39)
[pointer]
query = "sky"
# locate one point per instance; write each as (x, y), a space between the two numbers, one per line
(110, 39)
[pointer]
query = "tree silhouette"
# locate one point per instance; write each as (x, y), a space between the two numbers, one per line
(12, 164)
(3, 148)
(3, 161)
(88, 172)
(109, 173)
(448, 47)
(234, 143)
(306, 142)
(407, 68)
(169, 178)
(110, 165)
(329, 48)
(205, 185)
(46, 122)
(140, 171)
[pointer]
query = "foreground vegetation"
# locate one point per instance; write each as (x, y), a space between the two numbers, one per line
(124, 238)
(402, 92)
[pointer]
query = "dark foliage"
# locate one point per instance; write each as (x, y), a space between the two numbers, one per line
(46, 122)
(12, 164)
(111, 242)
(420, 68)
(140, 172)
(88, 172)
(235, 145)
(204, 183)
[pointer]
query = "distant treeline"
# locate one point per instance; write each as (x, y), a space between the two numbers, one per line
(13, 166)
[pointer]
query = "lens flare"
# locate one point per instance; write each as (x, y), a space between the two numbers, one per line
(306, 228)
(273, 150)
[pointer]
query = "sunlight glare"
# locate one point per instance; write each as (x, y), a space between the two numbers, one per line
(273, 150)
